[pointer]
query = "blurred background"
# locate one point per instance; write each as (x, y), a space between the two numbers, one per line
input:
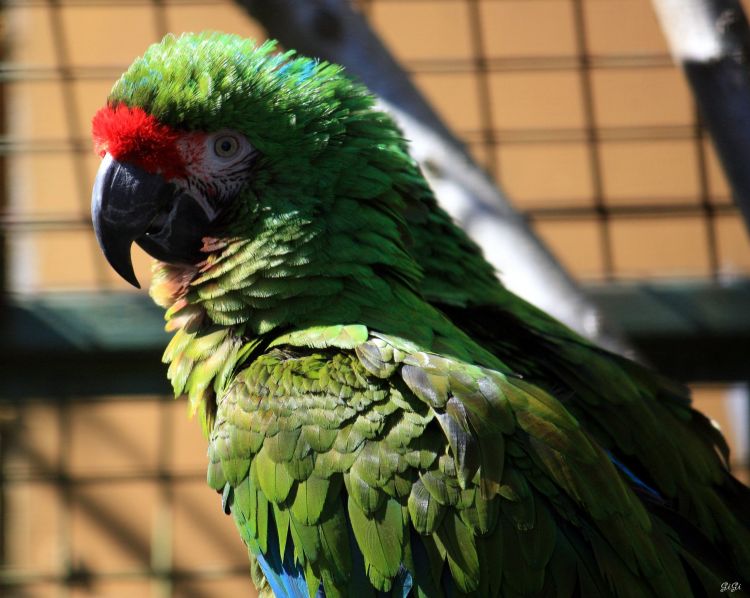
(574, 106)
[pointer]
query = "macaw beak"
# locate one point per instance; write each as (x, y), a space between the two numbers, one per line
(129, 204)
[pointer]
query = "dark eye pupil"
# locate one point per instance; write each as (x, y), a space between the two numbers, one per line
(226, 146)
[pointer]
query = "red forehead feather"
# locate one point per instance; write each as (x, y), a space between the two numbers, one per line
(134, 136)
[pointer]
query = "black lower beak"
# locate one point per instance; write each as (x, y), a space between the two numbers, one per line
(129, 204)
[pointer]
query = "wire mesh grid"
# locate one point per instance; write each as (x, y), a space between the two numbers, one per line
(617, 205)
(578, 112)
(593, 133)
(108, 497)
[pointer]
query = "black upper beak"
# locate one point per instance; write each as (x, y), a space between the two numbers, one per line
(122, 208)
(129, 204)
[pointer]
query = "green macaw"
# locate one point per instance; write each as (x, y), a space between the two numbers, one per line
(383, 417)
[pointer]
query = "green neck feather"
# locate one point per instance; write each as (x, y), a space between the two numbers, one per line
(334, 227)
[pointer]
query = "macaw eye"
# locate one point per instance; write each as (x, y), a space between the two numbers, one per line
(226, 146)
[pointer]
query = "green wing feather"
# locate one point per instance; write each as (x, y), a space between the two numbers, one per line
(410, 452)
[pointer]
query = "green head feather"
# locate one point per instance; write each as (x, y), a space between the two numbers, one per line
(322, 208)
(286, 105)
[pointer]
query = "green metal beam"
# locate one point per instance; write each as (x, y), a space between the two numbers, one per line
(73, 344)
(693, 331)
(81, 344)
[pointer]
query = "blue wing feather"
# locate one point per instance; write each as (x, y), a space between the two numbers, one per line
(286, 578)
(634, 478)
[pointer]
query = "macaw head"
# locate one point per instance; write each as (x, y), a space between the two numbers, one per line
(206, 131)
